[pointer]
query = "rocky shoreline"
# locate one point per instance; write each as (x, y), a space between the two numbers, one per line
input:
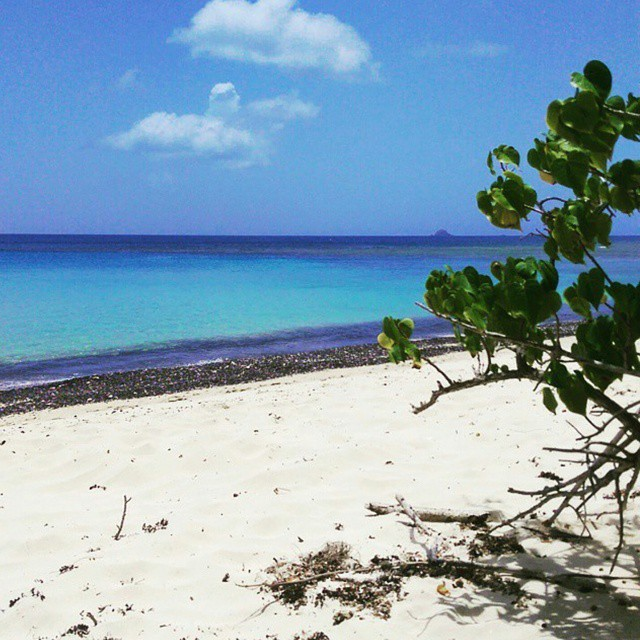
(143, 383)
(154, 382)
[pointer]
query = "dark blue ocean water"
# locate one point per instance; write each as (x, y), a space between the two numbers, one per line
(79, 305)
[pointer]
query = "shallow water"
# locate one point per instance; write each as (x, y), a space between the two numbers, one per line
(76, 305)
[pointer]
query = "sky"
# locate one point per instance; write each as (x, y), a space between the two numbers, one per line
(315, 117)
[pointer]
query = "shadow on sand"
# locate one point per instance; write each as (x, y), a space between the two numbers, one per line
(611, 611)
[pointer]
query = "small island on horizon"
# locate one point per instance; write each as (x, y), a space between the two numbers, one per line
(442, 233)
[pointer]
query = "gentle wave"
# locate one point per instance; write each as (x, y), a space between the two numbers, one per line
(200, 352)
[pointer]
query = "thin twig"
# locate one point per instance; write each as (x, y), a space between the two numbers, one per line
(553, 198)
(124, 515)
(597, 264)
(431, 363)
(618, 112)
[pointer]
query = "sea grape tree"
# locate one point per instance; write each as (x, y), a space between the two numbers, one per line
(516, 305)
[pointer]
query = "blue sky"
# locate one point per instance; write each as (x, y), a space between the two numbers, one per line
(326, 117)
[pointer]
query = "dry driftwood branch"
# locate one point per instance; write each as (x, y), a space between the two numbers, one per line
(479, 518)
(124, 515)
(431, 549)
(473, 517)
(409, 511)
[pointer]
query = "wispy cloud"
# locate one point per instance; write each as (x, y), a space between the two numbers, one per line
(283, 108)
(276, 32)
(477, 49)
(130, 79)
(238, 135)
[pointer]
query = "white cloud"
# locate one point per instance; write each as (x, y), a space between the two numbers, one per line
(276, 32)
(200, 134)
(239, 135)
(130, 79)
(284, 107)
(477, 49)
(224, 100)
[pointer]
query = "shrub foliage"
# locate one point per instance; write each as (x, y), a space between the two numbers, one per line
(516, 306)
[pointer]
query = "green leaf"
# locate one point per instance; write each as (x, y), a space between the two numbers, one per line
(568, 239)
(577, 303)
(621, 199)
(591, 286)
(505, 218)
(490, 163)
(602, 227)
(580, 82)
(574, 396)
(571, 387)
(547, 177)
(549, 400)
(406, 327)
(390, 327)
(553, 115)
(385, 341)
(476, 318)
(572, 171)
(598, 74)
(507, 155)
(617, 102)
(551, 248)
(534, 159)
(626, 173)
(530, 196)
(581, 113)
(484, 203)
(549, 275)
(514, 194)
(558, 375)
(395, 354)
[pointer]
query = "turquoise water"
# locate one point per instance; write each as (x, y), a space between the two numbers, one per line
(99, 303)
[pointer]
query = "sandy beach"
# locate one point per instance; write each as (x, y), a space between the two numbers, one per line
(229, 231)
(223, 481)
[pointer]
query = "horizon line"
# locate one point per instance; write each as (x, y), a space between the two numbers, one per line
(520, 235)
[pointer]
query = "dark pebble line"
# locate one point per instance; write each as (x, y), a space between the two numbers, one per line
(144, 383)
(155, 382)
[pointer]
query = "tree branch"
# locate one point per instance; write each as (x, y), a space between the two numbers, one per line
(431, 363)
(555, 350)
(470, 384)
(597, 264)
(618, 112)
(628, 420)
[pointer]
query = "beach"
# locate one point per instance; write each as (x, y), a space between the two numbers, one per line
(140, 383)
(222, 482)
(305, 336)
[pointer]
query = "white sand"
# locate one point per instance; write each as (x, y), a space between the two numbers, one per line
(248, 473)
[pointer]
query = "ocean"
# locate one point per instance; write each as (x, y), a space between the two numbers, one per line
(84, 305)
